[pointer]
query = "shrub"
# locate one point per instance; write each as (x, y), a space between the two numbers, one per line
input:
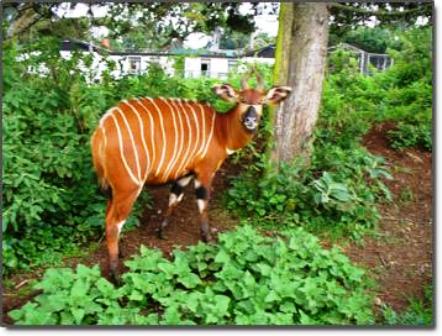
(51, 199)
(335, 196)
(418, 313)
(407, 135)
(246, 279)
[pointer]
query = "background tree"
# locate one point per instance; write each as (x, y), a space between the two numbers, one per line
(375, 40)
(234, 40)
(159, 22)
(300, 62)
(262, 40)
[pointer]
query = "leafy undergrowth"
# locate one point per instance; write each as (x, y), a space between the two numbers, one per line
(246, 279)
(418, 313)
(407, 136)
(334, 197)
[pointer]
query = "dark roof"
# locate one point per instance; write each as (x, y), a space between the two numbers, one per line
(265, 52)
(69, 45)
(135, 53)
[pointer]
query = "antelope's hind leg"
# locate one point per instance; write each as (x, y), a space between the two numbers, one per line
(202, 191)
(175, 197)
(119, 208)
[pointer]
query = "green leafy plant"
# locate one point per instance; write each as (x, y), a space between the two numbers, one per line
(246, 279)
(418, 313)
(406, 136)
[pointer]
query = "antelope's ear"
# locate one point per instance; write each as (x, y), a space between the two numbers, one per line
(277, 94)
(226, 92)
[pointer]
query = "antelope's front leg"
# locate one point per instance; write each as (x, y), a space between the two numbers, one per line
(202, 191)
(176, 195)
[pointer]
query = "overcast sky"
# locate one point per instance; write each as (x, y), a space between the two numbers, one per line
(264, 23)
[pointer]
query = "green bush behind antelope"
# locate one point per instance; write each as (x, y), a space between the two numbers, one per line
(337, 194)
(245, 279)
(51, 202)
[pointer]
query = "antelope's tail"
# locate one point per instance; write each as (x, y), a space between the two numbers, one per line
(98, 156)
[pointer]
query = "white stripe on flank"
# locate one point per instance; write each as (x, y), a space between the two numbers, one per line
(123, 158)
(152, 139)
(102, 150)
(140, 121)
(132, 139)
(181, 132)
(210, 134)
(107, 114)
(173, 158)
(197, 130)
(186, 157)
(203, 137)
(163, 153)
(104, 135)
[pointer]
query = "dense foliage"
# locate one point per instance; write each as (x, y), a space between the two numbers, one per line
(338, 192)
(51, 200)
(245, 279)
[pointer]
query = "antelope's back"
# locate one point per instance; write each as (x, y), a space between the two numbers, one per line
(156, 140)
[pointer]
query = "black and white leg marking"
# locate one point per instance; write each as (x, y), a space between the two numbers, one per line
(176, 196)
(202, 199)
(177, 190)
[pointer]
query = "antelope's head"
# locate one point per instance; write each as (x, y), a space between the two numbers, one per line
(250, 101)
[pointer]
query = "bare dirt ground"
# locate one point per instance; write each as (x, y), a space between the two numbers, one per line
(400, 259)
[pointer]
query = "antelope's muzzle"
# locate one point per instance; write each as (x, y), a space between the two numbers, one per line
(250, 119)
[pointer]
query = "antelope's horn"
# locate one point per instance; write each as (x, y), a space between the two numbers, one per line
(244, 84)
(259, 80)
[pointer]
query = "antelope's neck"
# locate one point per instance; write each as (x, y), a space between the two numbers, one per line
(231, 131)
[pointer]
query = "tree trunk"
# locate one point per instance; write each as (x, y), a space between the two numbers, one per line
(300, 63)
(26, 17)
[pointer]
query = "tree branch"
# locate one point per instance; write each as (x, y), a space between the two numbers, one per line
(380, 13)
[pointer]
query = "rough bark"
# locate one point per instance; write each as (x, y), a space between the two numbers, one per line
(300, 63)
(26, 17)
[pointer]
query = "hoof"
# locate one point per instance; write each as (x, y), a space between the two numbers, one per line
(116, 279)
(115, 276)
(160, 234)
(206, 237)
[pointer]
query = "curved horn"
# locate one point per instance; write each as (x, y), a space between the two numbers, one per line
(244, 84)
(259, 80)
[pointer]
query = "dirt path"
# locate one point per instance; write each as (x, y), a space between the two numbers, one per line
(401, 259)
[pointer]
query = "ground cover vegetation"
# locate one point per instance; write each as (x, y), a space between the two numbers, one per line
(245, 279)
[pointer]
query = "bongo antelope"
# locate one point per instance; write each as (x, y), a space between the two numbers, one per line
(152, 141)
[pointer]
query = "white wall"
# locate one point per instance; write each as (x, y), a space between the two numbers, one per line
(122, 64)
(192, 67)
(260, 60)
(219, 67)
